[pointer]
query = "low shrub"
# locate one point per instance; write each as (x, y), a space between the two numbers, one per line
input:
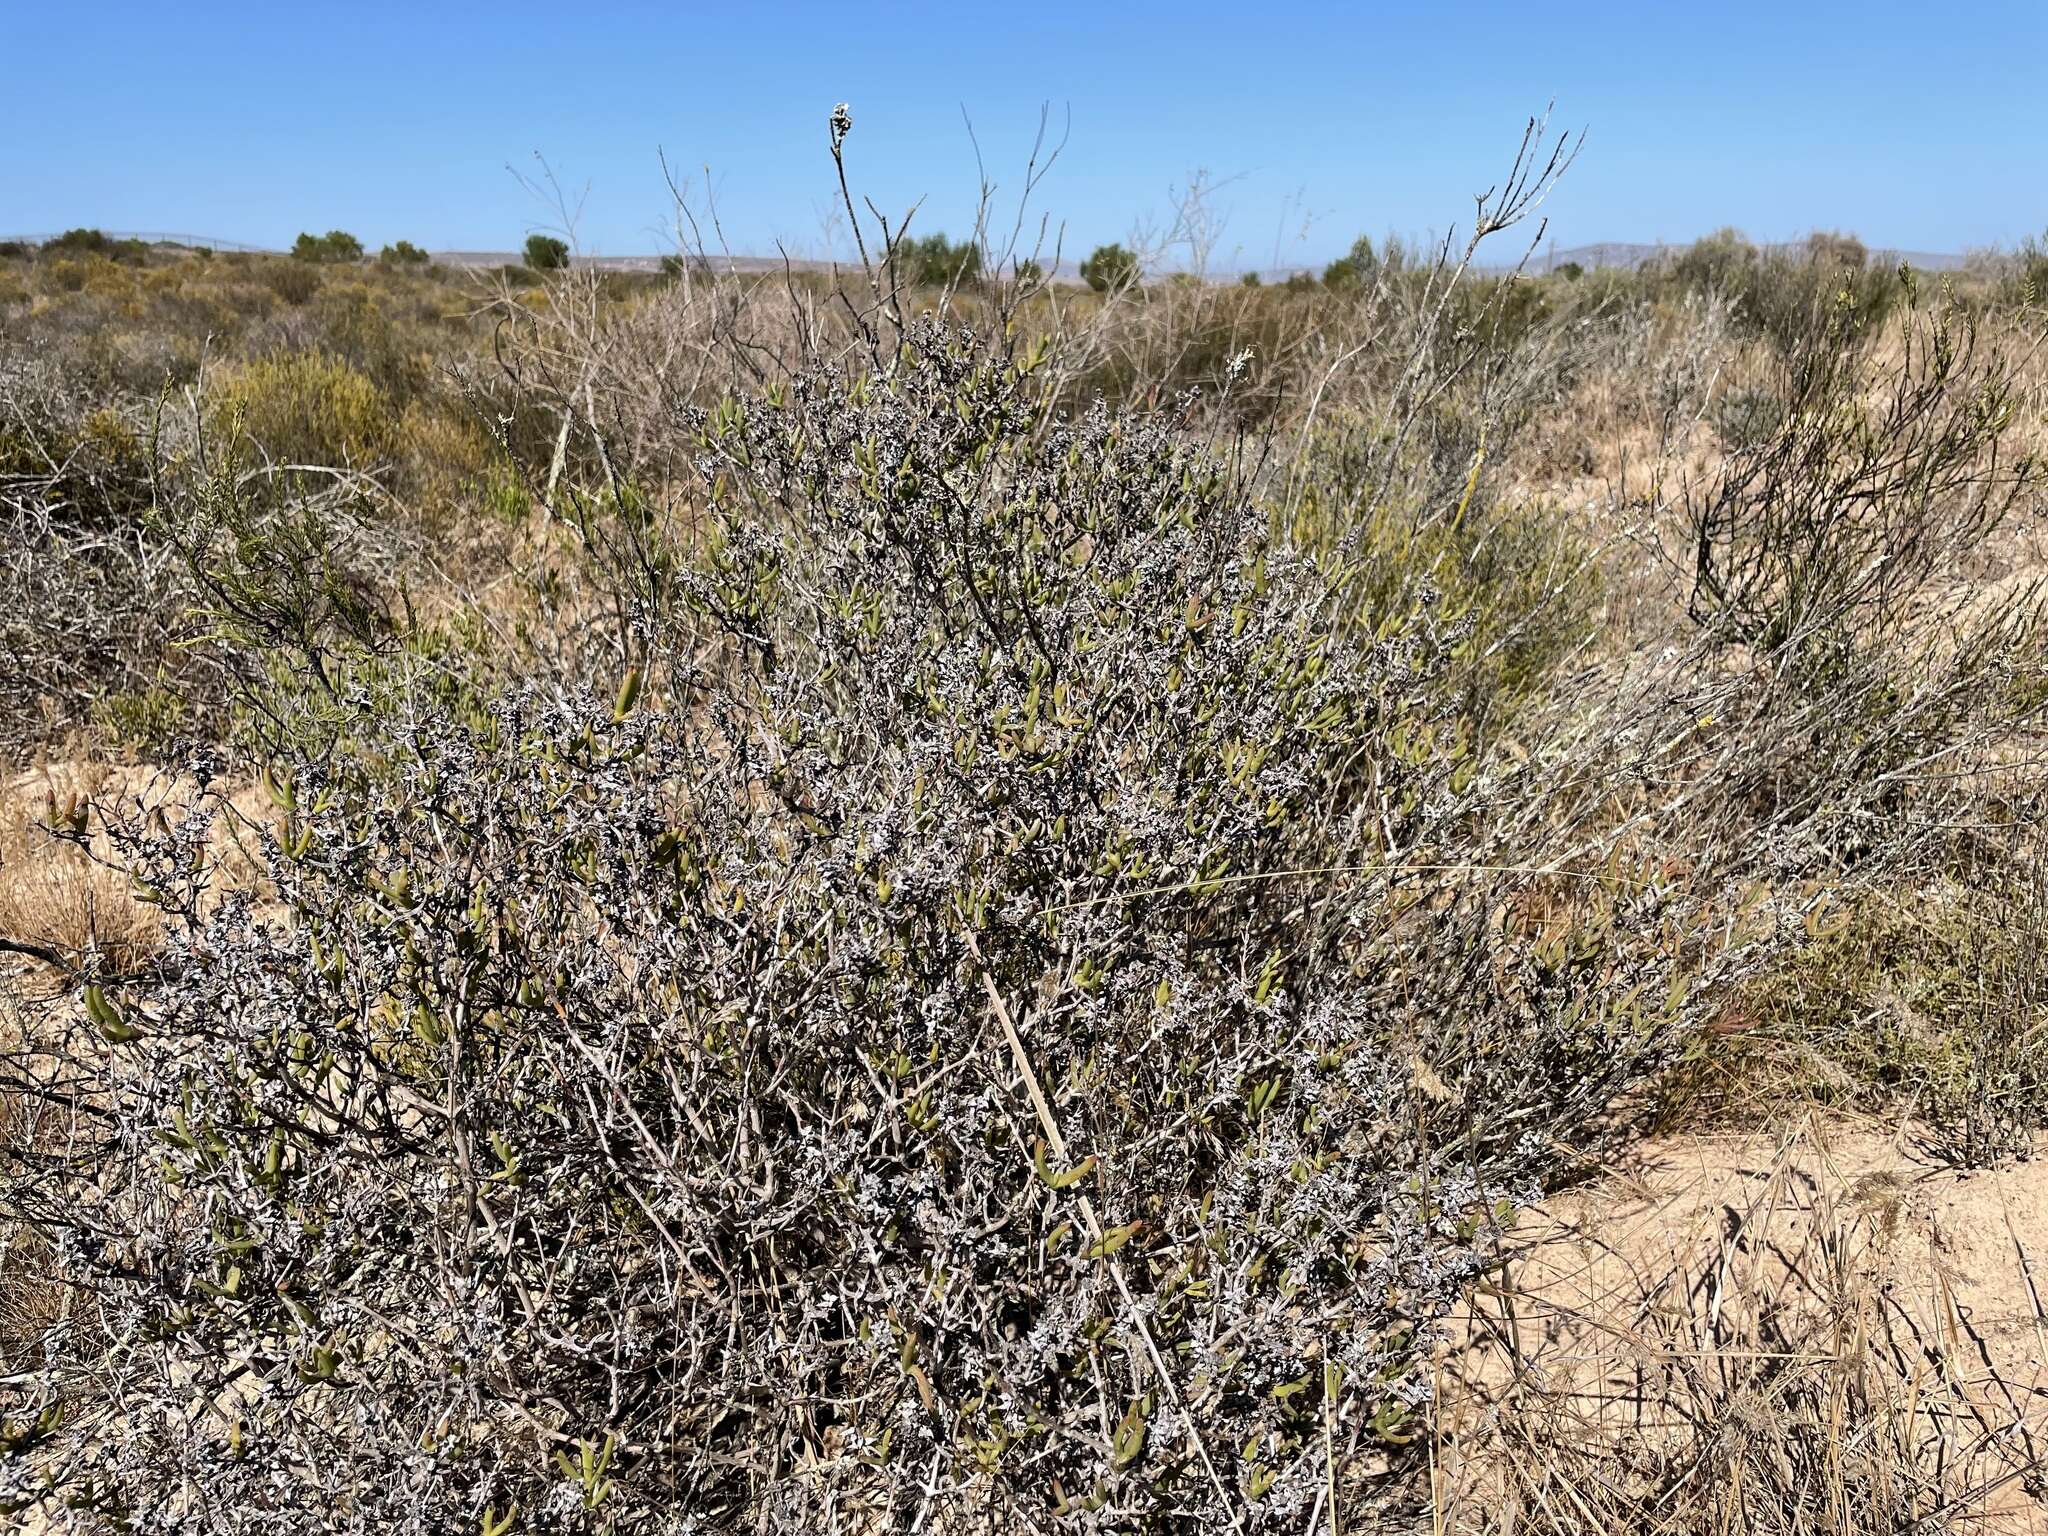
(1007, 1015)
(306, 408)
(1923, 1004)
(1855, 479)
(293, 282)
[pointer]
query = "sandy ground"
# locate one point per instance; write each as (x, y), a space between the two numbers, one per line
(1827, 1309)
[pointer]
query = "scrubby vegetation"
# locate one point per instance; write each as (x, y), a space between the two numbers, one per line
(938, 901)
(335, 245)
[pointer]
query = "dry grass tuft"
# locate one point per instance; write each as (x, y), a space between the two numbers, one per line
(1822, 1334)
(54, 897)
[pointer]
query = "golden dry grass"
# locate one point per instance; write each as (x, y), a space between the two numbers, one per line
(53, 895)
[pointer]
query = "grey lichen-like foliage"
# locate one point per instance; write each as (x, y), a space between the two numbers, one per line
(995, 1028)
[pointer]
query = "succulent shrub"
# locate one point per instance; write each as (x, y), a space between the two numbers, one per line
(1011, 1017)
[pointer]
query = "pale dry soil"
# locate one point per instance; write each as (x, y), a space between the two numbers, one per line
(1824, 1307)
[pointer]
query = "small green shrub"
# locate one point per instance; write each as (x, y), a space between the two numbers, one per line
(307, 408)
(292, 281)
(1925, 1002)
(403, 254)
(1717, 263)
(142, 722)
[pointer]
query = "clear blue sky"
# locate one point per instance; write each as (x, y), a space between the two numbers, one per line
(1920, 127)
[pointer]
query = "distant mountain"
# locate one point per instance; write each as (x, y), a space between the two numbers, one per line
(1618, 253)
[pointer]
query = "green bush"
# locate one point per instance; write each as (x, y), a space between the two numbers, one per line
(1354, 269)
(337, 245)
(307, 408)
(1927, 1002)
(936, 262)
(293, 281)
(1110, 268)
(1719, 262)
(92, 242)
(1827, 248)
(544, 253)
(403, 254)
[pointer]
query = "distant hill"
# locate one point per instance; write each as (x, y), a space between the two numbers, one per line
(1618, 253)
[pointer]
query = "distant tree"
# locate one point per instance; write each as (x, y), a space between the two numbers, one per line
(81, 242)
(1354, 268)
(93, 242)
(1825, 248)
(936, 261)
(1251, 280)
(337, 245)
(403, 254)
(1719, 261)
(1570, 271)
(1300, 282)
(544, 253)
(2031, 261)
(1110, 267)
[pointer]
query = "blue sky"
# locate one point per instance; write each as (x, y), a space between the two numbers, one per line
(1919, 127)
